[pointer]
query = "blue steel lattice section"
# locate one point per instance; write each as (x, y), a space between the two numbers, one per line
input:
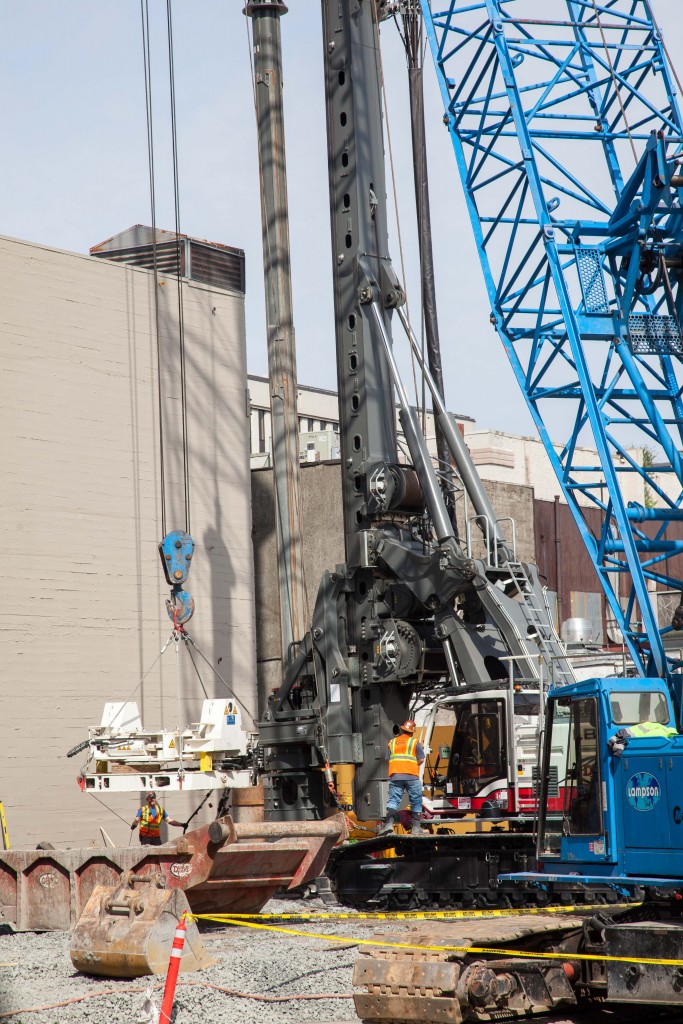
(565, 126)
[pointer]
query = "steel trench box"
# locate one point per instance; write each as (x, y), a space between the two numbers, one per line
(43, 890)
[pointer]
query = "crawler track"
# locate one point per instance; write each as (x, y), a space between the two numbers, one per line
(408, 979)
(444, 872)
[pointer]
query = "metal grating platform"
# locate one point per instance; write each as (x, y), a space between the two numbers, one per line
(651, 335)
(592, 278)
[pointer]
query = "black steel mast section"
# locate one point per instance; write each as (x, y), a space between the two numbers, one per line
(359, 245)
(411, 18)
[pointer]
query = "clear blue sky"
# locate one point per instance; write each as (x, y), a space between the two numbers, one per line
(74, 168)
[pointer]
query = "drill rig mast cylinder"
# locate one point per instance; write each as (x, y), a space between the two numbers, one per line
(486, 517)
(411, 18)
(265, 15)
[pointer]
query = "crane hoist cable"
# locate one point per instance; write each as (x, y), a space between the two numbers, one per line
(615, 81)
(445, 470)
(672, 68)
(176, 548)
(412, 39)
(146, 52)
(179, 280)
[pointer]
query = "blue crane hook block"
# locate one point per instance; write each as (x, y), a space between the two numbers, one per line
(176, 551)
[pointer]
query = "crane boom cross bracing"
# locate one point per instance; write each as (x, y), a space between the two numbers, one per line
(581, 253)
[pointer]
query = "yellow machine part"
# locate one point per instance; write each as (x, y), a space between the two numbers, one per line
(344, 775)
(128, 931)
(3, 828)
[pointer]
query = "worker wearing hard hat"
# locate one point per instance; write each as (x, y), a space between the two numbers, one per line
(150, 818)
(405, 756)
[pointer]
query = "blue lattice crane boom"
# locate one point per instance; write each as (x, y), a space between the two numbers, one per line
(567, 134)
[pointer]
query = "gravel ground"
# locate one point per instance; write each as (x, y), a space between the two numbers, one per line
(36, 971)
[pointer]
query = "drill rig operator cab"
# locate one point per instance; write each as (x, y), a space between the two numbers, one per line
(489, 764)
(622, 803)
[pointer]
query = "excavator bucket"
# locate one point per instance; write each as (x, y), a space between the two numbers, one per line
(128, 931)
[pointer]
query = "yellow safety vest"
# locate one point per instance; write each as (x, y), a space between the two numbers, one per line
(402, 757)
(652, 729)
(150, 824)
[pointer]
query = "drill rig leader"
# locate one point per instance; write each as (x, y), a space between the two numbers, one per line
(409, 609)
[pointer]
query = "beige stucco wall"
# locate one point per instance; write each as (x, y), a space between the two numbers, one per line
(84, 613)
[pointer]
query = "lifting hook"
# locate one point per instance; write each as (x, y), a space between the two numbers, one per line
(176, 550)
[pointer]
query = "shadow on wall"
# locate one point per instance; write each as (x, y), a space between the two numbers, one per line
(267, 597)
(224, 635)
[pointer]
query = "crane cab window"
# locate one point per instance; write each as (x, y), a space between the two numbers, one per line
(572, 743)
(554, 755)
(632, 708)
(582, 813)
(478, 752)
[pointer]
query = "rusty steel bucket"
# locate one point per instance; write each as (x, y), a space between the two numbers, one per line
(127, 931)
(222, 868)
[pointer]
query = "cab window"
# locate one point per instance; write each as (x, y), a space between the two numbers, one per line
(478, 753)
(527, 703)
(555, 753)
(582, 791)
(632, 708)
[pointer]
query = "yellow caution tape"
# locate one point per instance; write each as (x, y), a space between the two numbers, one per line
(490, 951)
(418, 915)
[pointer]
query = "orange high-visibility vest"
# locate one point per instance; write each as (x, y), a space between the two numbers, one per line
(402, 757)
(151, 824)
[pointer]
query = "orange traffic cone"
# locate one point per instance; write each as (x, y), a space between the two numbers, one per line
(172, 975)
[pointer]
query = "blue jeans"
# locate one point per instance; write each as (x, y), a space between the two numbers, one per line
(414, 790)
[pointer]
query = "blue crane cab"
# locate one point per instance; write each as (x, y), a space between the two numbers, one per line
(622, 803)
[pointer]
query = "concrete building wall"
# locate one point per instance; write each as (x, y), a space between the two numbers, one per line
(513, 458)
(80, 498)
(515, 501)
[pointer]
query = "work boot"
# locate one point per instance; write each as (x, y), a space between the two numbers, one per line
(416, 828)
(388, 825)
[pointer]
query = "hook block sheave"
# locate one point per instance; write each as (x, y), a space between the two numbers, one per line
(176, 551)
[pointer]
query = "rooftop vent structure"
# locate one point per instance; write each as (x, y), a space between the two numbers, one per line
(220, 266)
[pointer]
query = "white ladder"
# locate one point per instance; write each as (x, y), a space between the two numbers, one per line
(541, 619)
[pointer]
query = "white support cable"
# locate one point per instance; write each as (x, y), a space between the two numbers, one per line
(176, 640)
(219, 676)
(145, 674)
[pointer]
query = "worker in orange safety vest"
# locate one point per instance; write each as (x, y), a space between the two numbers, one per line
(406, 755)
(149, 818)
